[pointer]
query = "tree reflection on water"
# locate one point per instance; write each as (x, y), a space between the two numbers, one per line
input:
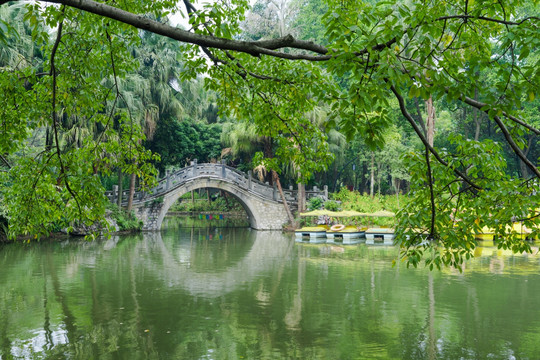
(229, 293)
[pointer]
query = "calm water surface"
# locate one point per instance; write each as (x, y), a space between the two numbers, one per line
(232, 293)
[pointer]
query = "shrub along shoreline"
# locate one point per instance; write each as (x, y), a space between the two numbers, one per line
(354, 200)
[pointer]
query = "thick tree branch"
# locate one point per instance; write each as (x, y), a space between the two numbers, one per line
(242, 72)
(514, 146)
(63, 170)
(418, 131)
(4, 160)
(480, 105)
(498, 21)
(254, 48)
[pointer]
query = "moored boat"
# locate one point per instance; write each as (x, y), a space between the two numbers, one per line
(311, 232)
(380, 235)
(343, 233)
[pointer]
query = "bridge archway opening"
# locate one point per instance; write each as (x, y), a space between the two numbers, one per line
(184, 196)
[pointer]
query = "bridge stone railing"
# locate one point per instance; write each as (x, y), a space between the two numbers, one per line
(172, 180)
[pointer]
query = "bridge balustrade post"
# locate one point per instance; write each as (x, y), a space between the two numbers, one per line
(194, 168)
(223, 170)
(326, 192)
(250, 176)
(168, 183)
(274, 194)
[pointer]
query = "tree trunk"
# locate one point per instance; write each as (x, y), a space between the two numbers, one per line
(131, 191)
(285, 204)
(120, 187)
(430, 109)
(224, 194)
(301, 197)
(268, 153)
(379, 179)
(48, 139)
(397, 184)
(372, 176)
(477, 120)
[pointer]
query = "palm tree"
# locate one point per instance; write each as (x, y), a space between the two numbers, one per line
(242, 139)
(18, 49)
(150, 94)
(336, 144)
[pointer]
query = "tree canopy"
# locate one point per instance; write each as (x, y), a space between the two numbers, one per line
(370, 55)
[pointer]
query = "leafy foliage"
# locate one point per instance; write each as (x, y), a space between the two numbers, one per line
(315, 203)
(126, 221)
(179, 142)
(460, 212)
(219, 204)
(331, 205)
(353, 200)
(62, 126)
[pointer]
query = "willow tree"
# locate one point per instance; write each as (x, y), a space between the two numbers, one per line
(391, 49)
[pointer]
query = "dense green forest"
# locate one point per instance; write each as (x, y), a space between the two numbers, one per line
(436, 100)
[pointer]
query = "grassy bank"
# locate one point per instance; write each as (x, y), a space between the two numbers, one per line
(353, 200)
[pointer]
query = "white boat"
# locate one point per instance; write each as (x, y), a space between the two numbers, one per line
(311, 233)
(379, 235)
(345, 234)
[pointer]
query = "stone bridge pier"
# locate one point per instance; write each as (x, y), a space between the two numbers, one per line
(261, 202)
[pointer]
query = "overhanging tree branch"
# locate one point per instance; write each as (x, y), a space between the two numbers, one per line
(254, 48)
(488, 19)
(514, 146)
(4, 160)
(63, 170)
(482, 106)
(419, 133)
(242, 71)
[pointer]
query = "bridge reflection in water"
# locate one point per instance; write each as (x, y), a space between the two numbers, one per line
(231, 293)
(184, 263)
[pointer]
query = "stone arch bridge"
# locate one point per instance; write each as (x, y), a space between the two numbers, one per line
(261, 201)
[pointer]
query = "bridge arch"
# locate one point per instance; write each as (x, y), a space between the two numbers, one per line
(262, 203)
(250, 205)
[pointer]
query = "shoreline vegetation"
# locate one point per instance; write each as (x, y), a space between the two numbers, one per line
(212, 207)
(353, 200)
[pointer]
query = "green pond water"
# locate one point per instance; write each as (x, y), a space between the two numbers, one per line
(236, 293)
